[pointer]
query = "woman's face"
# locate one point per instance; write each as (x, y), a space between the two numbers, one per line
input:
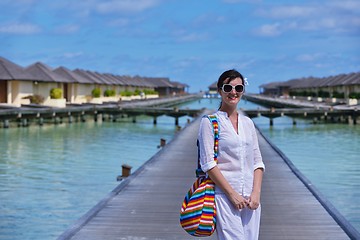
(233, 97)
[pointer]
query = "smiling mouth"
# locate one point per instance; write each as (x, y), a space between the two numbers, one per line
(233, 97)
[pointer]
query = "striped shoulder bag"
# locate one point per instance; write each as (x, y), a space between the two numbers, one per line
(198, 210)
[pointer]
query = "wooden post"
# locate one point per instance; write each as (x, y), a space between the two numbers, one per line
(162, 142)
(126, 170)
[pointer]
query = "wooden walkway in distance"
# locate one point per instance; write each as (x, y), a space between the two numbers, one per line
(146, 205)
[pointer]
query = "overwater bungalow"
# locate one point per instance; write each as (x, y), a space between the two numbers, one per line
(80, 88)
(41, 84)
(45, 81)
(15, 83)
(338, 88)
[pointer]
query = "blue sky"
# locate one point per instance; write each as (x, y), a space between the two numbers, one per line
(190, 41)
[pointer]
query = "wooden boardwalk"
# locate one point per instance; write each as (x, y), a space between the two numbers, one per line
(146, 205)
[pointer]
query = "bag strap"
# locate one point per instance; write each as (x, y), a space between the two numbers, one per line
(215, 125)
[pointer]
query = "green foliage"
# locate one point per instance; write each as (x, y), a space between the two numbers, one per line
(36, 99)
(338, 95)
(126, 93)
(96, 92)
(56, 93)
(298, 93)
(354, 95)
(150, 92)
(293, 93)
(137, 92)
(110, 93)
(323, 94)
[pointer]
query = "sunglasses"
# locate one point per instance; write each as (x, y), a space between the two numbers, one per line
(228, 88)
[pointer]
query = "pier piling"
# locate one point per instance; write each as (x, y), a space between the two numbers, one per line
(6, 123)
(41, 121)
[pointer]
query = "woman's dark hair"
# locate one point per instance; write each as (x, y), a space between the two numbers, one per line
(227, 76)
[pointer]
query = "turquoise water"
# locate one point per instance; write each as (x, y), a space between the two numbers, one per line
(51, 175)
(328, 155)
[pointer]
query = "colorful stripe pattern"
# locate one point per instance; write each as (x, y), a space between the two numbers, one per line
(198, 210)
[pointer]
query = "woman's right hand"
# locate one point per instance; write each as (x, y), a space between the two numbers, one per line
(238, 201)
(235, 198)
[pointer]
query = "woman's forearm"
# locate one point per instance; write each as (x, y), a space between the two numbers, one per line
(258, 175)
(220, 181)
(235, 198)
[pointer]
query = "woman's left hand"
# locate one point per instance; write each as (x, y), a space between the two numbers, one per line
(254, 201)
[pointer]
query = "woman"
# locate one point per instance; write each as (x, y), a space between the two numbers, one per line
(239, 170)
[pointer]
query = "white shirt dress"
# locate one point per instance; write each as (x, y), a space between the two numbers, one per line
(239, 155)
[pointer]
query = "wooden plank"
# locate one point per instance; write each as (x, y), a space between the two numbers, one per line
(289, 209)
(147, 204)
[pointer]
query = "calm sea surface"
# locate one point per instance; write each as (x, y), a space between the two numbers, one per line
(51, 175)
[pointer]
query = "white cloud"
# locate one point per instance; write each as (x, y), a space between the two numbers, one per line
(20, 28)
(352, 6)
(192, 37)
(72, 55)
(336, 17)
(125, 6)
(309, 57)
(241, 1)
(287, 12)
(67, 29)
(18, 2)
(268, 30)
(120, 22)
(208, 20)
